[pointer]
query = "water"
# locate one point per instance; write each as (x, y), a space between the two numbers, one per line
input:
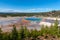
(34, 23)
(33, 19)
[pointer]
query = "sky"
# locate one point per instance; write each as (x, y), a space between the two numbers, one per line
(29, 5)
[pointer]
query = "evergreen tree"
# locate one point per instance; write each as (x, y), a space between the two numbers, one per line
(1, 35)
(5, 36)
(42, 31)
(34, 34)
(56, 27)
(14, 33)
(21, 33)
(27, 33)
(9, 36)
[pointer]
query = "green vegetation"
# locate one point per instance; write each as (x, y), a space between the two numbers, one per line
(51, 14)
(25, 34)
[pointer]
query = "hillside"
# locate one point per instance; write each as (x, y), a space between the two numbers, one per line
(51, 13)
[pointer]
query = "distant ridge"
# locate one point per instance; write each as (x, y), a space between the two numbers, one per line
(50, 13)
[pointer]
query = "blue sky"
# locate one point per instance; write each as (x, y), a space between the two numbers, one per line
(29, 5)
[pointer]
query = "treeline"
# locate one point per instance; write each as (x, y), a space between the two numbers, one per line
(51, 13)
(49, 33)
(20, 14)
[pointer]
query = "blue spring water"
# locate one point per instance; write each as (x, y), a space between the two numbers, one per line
(33, 19)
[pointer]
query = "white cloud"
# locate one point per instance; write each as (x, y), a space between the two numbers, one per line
(26, 10)
(9, 10)
(38, 9)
